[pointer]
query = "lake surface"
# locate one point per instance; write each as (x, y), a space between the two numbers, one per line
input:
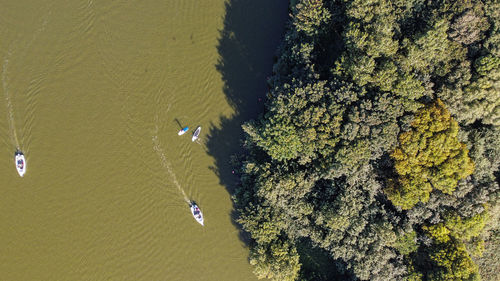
(94, 93)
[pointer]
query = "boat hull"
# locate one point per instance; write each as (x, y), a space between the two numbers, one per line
(183, 131)
(20, 163)
(196, 134)
(196, 212)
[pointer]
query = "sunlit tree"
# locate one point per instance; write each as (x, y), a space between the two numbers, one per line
(429, 157)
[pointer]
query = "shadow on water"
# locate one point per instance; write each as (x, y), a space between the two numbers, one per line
(252, 32)
(248, 42)
(178, 123)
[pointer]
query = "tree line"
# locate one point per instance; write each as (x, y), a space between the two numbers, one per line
(379, 145)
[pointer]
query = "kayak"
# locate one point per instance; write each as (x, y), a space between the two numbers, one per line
(195, 210)
(20, 162)
(183, 131)
(196, 134)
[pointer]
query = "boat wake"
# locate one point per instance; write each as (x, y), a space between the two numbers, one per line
(8, 100)
(5, 81)
(168, 167)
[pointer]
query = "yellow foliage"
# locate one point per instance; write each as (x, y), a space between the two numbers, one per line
(428, 157)
(439, 232)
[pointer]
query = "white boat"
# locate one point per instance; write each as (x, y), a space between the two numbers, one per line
(20, 163)
(195, 210)
(183, 131)
(196, 134)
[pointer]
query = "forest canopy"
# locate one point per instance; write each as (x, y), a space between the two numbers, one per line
(379, 147)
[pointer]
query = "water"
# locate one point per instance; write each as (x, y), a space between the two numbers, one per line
(94, 93)
(8, 101)
(168, 167)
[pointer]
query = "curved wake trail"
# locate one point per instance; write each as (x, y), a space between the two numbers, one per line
(10, 110)
(8, 98)
(166, 164)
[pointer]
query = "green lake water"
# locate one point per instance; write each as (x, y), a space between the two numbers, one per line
(94, 93)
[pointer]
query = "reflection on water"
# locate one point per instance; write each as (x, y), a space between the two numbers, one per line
(92, 91)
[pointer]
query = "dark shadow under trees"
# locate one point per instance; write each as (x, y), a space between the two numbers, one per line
(248, 42)
(252, 33)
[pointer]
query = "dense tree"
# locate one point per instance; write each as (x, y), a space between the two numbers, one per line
(472, 91)
(407, 243)
(489, 262)
(461, 229)
(310, 16)
(429, 157)
(303, 121)
(277, 260)
(448, 253)
(358, 109)
(452, 262)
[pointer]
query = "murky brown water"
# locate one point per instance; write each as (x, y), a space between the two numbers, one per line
(90, 92)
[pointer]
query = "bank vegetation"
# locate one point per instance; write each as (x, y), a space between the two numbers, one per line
(378, 153)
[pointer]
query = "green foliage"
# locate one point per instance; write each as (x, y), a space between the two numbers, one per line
(486, 64)
(429, 157)
(310, 16)
(485, 90)
(458, 228)
(350, 76)
(318, 264)
(413, 274)
(263, 223)
(449, 252)
(452, 262)
(466, 229)
(476, 248)
(438, 232)
(432, 51)
(469, 27)
(479, 98)
(407, 243)
(276, 260)
(472, 92)
(489, 262)
(304, 121)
